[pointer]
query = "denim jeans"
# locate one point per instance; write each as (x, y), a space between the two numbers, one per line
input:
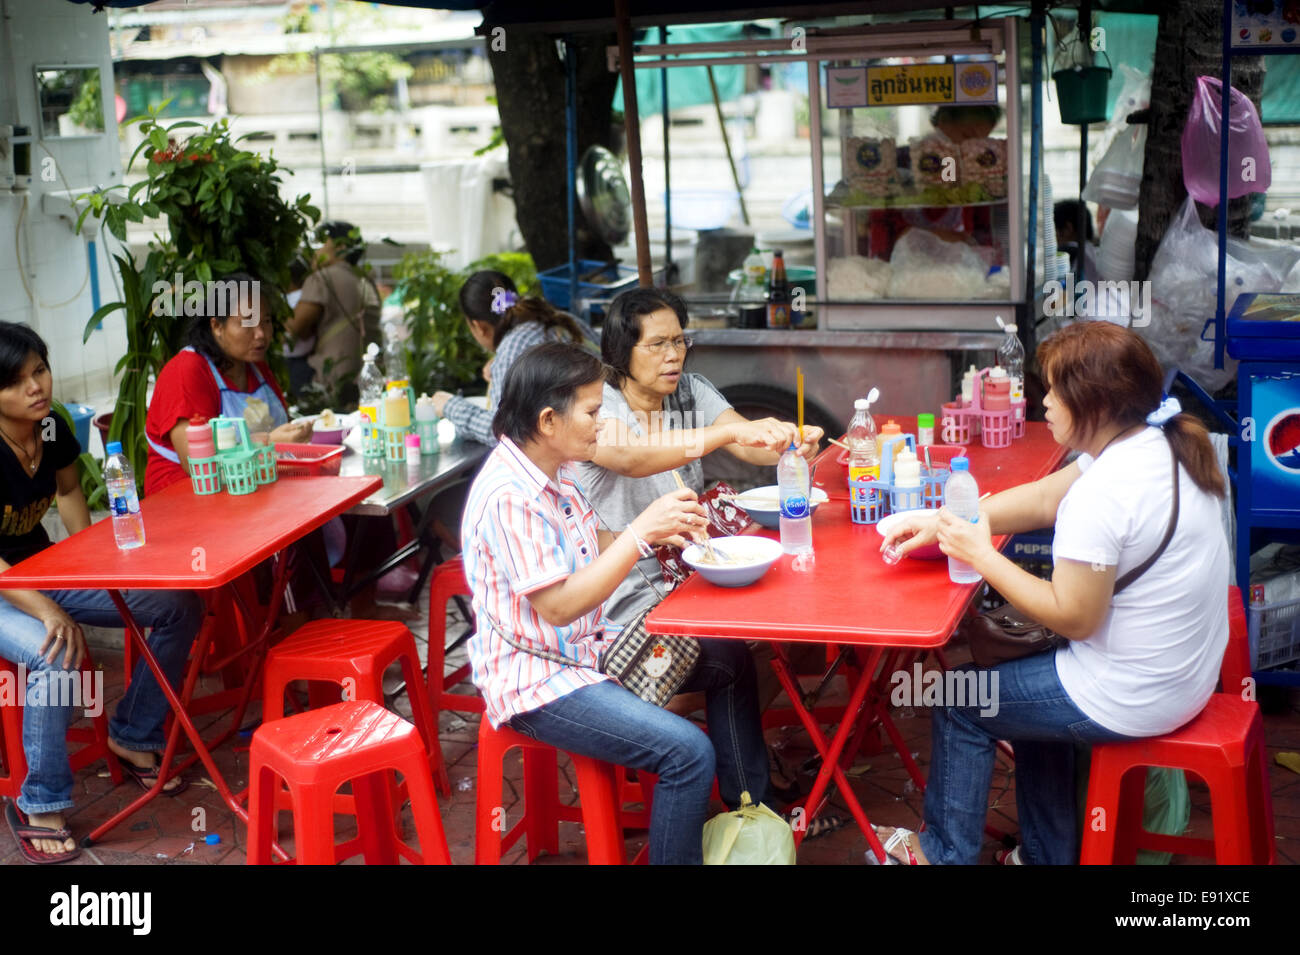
(607, 722)
(137, 724)
(1043, 725)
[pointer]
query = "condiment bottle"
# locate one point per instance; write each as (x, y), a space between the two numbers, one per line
(968, 385)
(924, 429)
(227, 436)
(198, 438)
(997, 390)
(890, 429)
(397, 410)
(907, 469)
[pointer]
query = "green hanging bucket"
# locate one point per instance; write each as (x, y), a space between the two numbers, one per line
(1081, 94)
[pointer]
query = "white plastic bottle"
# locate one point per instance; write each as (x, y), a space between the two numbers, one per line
(371, 380)
(1011, 356)
(961, 496)
(864, 462)
(123, 501)
(796, 509)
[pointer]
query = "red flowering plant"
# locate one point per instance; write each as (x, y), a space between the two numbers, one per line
(223, 212)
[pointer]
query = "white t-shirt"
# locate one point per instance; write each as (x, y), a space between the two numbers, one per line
(1153, 663)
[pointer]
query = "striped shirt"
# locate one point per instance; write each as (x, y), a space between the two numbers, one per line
(474, 422)
(522, 532)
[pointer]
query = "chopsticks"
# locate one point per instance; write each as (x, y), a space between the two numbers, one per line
(798, 377)
(704, 538)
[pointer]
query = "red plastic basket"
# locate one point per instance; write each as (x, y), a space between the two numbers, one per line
(308, 460)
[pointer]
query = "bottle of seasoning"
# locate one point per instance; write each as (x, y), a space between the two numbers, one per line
(997, 390)
(778, 294)
(924, 429)
(198, 439)
(889, 429)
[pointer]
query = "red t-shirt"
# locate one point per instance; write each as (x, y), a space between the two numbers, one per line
(186, 390)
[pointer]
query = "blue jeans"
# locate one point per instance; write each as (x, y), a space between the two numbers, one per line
(607, 722)
(137, 724)
(1043, 725)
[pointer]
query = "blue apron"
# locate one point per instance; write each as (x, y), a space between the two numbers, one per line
(262, 409)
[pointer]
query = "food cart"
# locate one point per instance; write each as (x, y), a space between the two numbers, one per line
(918, 215)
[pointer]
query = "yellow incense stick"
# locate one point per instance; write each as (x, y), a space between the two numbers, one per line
(798, 372)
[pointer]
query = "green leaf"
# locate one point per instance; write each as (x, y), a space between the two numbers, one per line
(226, 198)
(98, 317)
(158, 137)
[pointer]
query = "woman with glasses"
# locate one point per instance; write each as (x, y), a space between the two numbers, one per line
(506, 325)
(660, 420)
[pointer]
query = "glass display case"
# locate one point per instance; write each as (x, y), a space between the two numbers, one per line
(916, 181)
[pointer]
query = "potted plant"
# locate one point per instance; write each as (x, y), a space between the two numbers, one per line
(223, 213)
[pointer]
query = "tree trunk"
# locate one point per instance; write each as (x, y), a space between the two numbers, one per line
(1189, 43)
(529, 76)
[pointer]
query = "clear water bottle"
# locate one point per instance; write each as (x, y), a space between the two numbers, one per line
(1011, 356)
(796, 509)
(371, 379)
(123, 502)
(864, 460)
(961, 495)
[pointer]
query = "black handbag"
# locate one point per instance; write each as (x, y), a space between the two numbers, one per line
(1005, 633)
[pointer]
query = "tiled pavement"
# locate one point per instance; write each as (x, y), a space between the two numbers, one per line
(172, 830)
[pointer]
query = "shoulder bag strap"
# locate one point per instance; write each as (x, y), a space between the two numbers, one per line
(1142, 568)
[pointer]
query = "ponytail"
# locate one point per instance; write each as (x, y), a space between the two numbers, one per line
(490, 296)
(1191, 443)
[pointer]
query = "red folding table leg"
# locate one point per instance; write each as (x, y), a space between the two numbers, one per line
(830, 754)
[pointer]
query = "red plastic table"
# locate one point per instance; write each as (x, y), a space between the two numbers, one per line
(192, 543)
(853, 599)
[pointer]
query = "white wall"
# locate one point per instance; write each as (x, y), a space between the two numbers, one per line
(54, 260)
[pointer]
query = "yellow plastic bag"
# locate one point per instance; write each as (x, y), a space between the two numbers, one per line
(752, 835)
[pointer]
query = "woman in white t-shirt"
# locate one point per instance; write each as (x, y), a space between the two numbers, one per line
(1136, 664)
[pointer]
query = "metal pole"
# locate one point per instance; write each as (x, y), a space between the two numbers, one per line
(571, 153)
(1081, 223)
(726, 144)
(1220, 319)
(320, 135)
(1036, 27)
(668, 188)
(632, 125)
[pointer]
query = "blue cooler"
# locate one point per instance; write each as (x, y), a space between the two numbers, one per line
(1265, 326)
(81, 415)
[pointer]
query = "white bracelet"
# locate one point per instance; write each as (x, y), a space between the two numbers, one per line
(644, 549)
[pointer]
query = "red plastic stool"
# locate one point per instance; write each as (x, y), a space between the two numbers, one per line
(315, 753)
(448, 580)
(598, 791)
(353, 654)
(93, 738)
(1224, 745)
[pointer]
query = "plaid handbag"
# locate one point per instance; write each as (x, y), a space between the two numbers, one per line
(650, 666)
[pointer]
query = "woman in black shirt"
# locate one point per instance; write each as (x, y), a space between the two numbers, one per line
(40, 630)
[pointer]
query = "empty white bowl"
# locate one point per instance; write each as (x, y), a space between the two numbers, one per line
(761, 503)
(752, 557)
(885, 527)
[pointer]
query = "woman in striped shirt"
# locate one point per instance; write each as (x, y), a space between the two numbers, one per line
(540, 571)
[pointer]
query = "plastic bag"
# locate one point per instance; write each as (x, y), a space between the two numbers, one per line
(922, 265)
(752, 835)
(1166, 805)
(1248, 166)
(1118, 176)
(1184, 279)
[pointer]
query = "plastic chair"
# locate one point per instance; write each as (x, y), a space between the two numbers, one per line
(1224, 745)
(448, 581)
(315, 753)
(598, 790)
(353, 654)
(93, 738)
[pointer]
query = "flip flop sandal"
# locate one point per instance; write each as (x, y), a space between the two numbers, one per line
(147, 777)
(901, 837)
(24, 834)
(1008, 857)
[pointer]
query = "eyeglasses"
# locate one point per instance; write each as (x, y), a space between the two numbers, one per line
(660, 346)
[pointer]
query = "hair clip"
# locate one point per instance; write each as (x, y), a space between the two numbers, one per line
(1169, 407)
(503, 300)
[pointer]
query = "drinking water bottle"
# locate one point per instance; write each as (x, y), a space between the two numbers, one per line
(961, 495)
(796, 507)
(1011, 356)
(123, 502)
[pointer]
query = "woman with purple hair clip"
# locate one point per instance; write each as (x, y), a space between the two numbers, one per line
(506, 324)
